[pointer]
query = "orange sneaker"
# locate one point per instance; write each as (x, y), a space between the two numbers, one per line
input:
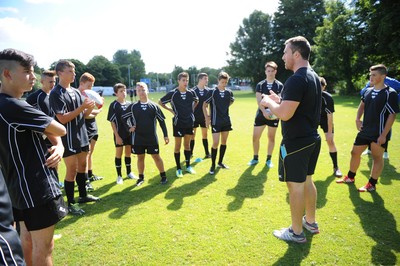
(345, 179)
(368, 187)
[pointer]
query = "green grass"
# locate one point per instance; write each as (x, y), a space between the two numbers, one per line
(228, 218)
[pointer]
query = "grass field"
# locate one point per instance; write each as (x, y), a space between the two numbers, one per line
(228, 218)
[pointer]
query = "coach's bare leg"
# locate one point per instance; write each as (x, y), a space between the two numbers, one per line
(378, 162)
(26, 242)
(311, 199)
(297, 204)
(42, 246)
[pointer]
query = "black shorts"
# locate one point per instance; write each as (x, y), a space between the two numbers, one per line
(298, 159)
(95, 137)
(126, 141)
(42, 216)
(361, 141)
(324, 125)
(141, 149)
(181, 132)
(201, 123)
(218, 129)
(260, 120)
(68, 153)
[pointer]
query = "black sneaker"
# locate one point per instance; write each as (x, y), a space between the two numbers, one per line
(89, 187)
(208, 156)
(139, 182)
(223, 166)
(164, 180)
(74, 209)
(212, 170)
(88, 198)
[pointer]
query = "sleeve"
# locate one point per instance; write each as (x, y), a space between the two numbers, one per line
(127, 117)
(111, 113)
(195, 98)
(232, 98)
(259, 87)
(57, 102)
(28, 117)
(330, 105)
(294, 89)
(167, 97)
(392, 103)
(209, 95)
(161, 120)
(365, 88)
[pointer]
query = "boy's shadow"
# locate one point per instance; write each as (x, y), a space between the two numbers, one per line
(380, 225)
(248, 186)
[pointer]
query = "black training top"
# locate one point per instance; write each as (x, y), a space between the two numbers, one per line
(198, 111)
(264, 87)
(327, 107)
(182, 105)
(40, 100)
(303, 87)
(63, 101)
(23, 153)
(144, 117)
(115, 112)
(219, 101)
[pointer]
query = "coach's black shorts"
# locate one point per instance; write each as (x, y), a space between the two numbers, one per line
(217, 129)
(260, 120)
(361, 141)
(141, 149)
(42, 216)
(125, 141)
(68, 152)
(298, 159)
(201, 123)
(181, 132)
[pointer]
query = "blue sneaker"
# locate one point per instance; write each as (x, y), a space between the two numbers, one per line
(190, 170)
(269, 164)
(179, 173)
(198, 160)
(253, 162)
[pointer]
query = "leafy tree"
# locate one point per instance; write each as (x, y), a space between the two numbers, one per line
(106, 73)
(335, 46)
(130, 65)
(252, 47)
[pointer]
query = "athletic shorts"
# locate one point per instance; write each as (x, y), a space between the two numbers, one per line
(201, 123)
(95, 137)
(42, 216)
(181, 132)
(141, 149)
(361, 141)
(68, 153)
(125, 141)
(324, 125)
(298, 159)
(217, 129)
(260, 120)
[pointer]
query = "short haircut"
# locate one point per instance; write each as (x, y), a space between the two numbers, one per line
(223, 75)
(201, 75)
(142, 84)
(382, 69)
(8, 58)
(323, 81)
(301, 45)
(183, 75)
(271, 64)
(87, 77)
(62, 64)
(48, 73)
(119, 86)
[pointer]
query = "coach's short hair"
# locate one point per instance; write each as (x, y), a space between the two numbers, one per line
(301, 45)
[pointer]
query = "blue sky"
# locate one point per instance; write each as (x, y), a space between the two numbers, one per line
(166, 32)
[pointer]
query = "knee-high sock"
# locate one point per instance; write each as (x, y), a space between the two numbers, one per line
(69, 187)
(334, 159)
(222, 150)
(191, 146)
(177, 156)
(187, 157)
(128, 165)
(81, 181)
(213, 156)
(205, 145)
(118, 166)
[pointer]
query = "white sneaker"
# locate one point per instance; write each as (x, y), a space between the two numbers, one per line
(385, 155)
(366, 152)
(132, 176)
(120, 181)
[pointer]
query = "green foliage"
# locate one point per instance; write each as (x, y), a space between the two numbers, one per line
(131, 65)
(105, 72)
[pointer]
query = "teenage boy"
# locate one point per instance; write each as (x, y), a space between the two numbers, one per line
(378, 108)
(219, 99)
(201, 91)
(122, 136)
(28, 164)
(142, 118)
(86, 82)
(70, 110)
(262, 118)
(40, 98)
(183, 102)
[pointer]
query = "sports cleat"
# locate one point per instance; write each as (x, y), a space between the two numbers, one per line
(120, 181)
(95, 178)
(139, 182)
(253, 162)
(198, 160)
(89, 187)
(287, 234)
(190, 170)
(223, 166)
(367, 188)
(88, 198)
(179, 173)
(132, 176)
(212, 170)
(269, 164)
(74, 209)
(208, 156)
(345, 179)
(312, 228)
(385, 155)
(164, 180)
(337, 172)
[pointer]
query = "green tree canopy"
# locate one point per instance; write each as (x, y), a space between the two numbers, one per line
(106, 73)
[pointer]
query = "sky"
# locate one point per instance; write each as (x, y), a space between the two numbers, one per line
(167, 33)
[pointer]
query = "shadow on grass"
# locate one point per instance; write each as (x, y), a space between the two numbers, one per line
(248, 186)
(379, 224)
(389, 172)
(120, 202)
(295, 253)
(322, 190)
(177, 194)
